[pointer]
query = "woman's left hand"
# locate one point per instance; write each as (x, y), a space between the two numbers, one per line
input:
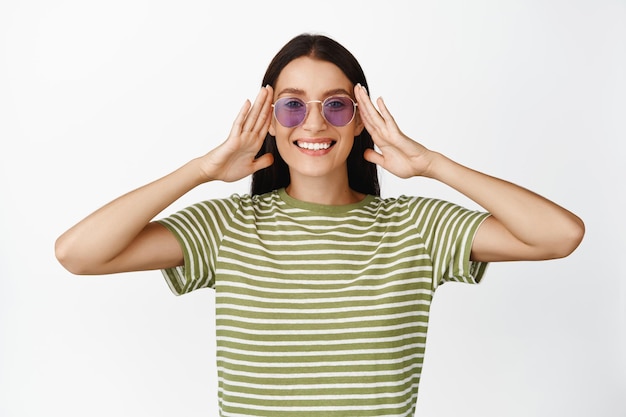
(522, 226)
(397, 153)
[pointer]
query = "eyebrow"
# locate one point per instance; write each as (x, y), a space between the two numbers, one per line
(297, 91)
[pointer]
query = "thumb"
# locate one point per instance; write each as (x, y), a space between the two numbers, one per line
(263, 161)
(374, 157)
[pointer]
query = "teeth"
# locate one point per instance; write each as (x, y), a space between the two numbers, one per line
(314, 146)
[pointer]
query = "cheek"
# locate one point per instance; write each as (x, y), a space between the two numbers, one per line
(282, 142)
(281, 135)
(349, 144)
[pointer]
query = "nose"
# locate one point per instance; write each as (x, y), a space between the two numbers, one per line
(314, 119)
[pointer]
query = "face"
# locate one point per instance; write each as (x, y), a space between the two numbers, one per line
(314, 148)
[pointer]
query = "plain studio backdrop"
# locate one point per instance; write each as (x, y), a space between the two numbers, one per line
(100, 97)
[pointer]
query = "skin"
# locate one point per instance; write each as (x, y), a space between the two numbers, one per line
(122, 236)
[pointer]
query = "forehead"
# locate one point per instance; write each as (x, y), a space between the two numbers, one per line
(312, 76)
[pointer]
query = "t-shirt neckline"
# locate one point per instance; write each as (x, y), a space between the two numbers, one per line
(322, 208)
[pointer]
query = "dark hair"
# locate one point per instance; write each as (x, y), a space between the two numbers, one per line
(362, 175)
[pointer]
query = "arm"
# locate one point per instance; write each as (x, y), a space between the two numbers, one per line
(522, 225)
(121, 236)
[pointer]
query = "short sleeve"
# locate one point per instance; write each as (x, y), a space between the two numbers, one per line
(448, 231)
(199, 230)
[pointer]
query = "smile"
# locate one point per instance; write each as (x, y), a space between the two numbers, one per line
(314, 146)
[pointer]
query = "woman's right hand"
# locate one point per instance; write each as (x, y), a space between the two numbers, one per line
(236, 158)
(122, 236)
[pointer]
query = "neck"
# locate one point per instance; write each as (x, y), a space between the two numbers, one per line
(323, 191)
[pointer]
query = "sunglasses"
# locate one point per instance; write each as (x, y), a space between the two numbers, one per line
(336, 110)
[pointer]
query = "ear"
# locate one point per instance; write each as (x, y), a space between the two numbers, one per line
(272, 128)
(358, 125)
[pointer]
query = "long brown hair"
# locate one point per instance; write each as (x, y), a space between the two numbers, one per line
(362, 175)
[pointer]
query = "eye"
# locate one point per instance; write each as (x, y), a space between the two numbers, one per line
(292, 103)
(337, 103)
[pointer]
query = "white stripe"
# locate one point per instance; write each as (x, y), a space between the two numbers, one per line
(309, 291)
(320, 375)
(321, 246)
(305, 409)
(316, 311)
(315, 320)
(363, 362)
(309, 332)
(244, 238)
(326, 300)
(322, 263)
(413, 271)
(332, 282)
(317, 397)
(344, 385)
(339, 256)
(321, 353)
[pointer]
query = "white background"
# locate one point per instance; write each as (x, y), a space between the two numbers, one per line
(100, 97)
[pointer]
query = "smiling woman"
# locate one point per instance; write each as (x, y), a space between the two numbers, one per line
(309, 54)
(323, 288)
(315, 149)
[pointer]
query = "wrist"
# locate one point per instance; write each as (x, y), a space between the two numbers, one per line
(197, 172)
(435, 165)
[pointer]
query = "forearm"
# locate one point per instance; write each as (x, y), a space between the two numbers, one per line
(107, 232)
(545, 228)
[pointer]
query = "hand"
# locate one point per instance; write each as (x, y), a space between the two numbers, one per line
(398, 154)
(236, 157)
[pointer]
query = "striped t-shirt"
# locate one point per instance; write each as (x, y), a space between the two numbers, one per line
(321, 310)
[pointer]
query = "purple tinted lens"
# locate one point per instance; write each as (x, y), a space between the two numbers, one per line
(290, 112)
(338, 111)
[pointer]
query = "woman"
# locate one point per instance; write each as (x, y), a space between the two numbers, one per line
(323, 288)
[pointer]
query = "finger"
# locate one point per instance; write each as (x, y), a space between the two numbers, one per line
(376, 127)
(384, 110)
(373, 120)
(265, 114)
(366, 107)
(388, 126)
(366, 117)
(254, 112)
(239, 120)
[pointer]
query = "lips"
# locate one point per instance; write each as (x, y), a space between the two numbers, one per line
(315, 145)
